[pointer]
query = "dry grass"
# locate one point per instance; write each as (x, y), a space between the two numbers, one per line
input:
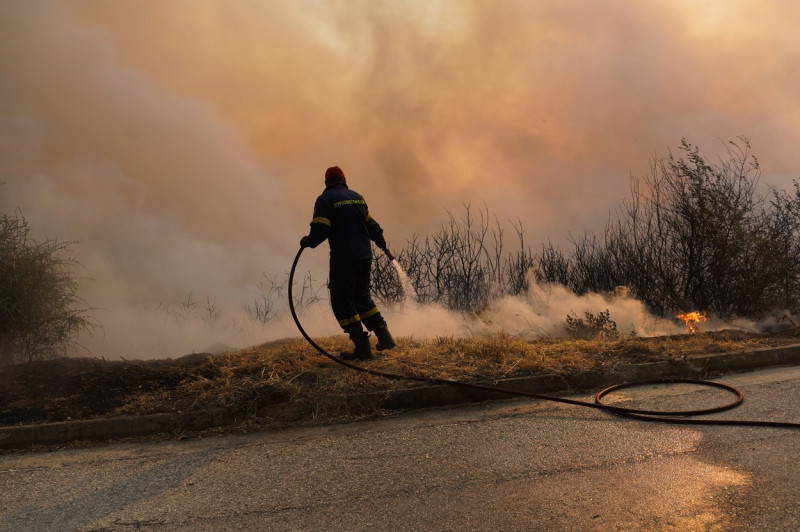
(291, 371)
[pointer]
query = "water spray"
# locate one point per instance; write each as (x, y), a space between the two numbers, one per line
(405, 282)
(674, 417)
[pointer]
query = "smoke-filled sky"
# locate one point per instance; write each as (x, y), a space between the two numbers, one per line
(181, 144)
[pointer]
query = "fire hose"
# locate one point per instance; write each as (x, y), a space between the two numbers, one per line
(674, 416)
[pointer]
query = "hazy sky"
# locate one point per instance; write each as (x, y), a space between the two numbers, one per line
(181, 144)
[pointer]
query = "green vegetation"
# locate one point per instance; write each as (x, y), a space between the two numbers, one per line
(40, 311)
(598, 325)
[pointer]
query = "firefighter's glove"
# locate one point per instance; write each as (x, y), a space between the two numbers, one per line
(304, 242)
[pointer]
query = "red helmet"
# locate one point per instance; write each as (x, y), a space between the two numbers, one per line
(334, 176)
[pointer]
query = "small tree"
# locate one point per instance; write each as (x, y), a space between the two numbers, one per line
(40, 311)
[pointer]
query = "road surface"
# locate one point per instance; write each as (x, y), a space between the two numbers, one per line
(522, 465)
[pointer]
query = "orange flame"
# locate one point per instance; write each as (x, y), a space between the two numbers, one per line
(692, 319)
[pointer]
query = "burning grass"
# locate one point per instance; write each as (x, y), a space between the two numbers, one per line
(290, 372)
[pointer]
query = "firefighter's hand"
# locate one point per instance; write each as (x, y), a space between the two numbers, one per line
(304, 242)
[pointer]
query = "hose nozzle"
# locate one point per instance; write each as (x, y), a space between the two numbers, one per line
(388, 254)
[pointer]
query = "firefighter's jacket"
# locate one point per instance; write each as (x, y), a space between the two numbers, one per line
(341, 215)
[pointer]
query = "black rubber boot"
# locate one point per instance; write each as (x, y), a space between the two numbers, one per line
(362, 350)
(385, 340)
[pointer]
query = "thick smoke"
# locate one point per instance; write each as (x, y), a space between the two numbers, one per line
(181, 144)
(159, 191)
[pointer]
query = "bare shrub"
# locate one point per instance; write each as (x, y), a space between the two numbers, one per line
(385, 283)
(264, 307)
(514, 278)
(270, 293)
(462, 267)
(308, 294)
(211, 314)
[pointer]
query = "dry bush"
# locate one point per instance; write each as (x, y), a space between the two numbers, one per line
(694, 235)
(461, 267)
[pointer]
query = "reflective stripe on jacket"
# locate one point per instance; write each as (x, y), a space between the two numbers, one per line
(341, 215)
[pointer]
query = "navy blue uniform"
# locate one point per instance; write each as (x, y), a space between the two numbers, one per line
(342, 217)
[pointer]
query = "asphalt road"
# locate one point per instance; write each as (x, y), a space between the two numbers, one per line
(505, 466)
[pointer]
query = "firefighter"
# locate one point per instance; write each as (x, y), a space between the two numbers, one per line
(341, 216)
